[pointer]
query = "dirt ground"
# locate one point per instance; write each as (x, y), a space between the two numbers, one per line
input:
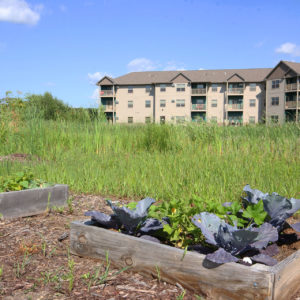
(35, 262)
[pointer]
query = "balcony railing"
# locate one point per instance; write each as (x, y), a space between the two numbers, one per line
(106, 93)
(199, 106)
(235, 106)
(200, 91)
(235, 121)
(108, 107)
(291, 104)
(291, 87)
(236, 91)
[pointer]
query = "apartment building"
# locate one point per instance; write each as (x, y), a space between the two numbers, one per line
(282, 92)
(233, 96)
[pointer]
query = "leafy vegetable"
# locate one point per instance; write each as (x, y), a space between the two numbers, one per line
(232, 240)
(126, 218)
(277, 207)
(256, 213)
(21, 181)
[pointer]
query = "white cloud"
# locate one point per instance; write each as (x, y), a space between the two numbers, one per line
(141, 64)
(174, 66)
(201, 69)
(95, 77)
(19, 11)
(289, 48)
(95, 95)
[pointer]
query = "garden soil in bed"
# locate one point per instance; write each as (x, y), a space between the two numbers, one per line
(45, 272)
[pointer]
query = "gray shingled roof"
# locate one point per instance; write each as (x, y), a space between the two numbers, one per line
(293, 65)
(250, 75)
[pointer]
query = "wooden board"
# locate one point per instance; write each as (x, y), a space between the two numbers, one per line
(287, 277)
(227, 281)
(32, 201)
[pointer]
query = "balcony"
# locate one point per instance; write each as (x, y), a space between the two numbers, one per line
(290, 104)
(291, 87)
(201, 91)
(106, 93)
(199, 106)
(235, 106)
(235, 90)
(108, 107)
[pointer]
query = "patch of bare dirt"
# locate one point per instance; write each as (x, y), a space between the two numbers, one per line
(35, 262)
(20, 157)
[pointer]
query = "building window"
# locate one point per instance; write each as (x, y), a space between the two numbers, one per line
(251, 120)
(162, 103)
(130, 119)
(148, 120)
(173, 101)
(252, 87)
(252, 102)
(214, 87)
(148, 88)
(180, 102)
(130, 104)
(180, 87)
(274, 119)
(275, 101)
(162, 87)
(148, 103)
(130, 89)
(275, 84)
(180, 119)
(214, 103)
(213, 119)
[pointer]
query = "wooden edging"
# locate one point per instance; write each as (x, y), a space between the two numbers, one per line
(227, 281)
(33, 201)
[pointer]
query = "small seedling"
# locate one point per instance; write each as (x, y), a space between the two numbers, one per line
(158, 273)
(70, 204)
(1, 271)
(20, 266)
(181, 296)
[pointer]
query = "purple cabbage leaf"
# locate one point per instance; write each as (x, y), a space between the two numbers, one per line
(232, 240)
(131, 219)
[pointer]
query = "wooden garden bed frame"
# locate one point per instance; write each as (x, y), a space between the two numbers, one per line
(32, 201)
(192, 271)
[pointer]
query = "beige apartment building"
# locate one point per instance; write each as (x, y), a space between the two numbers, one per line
(233, 96)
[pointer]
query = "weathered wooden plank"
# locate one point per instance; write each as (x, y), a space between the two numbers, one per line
(32, 201)
(228, 281)
(287, 277)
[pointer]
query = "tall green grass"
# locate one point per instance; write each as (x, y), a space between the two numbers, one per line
(164, 162)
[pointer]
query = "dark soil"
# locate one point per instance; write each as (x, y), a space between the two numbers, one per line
(36, 265)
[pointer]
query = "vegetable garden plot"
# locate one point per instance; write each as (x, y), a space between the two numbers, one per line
(190, 269)
(32, 201)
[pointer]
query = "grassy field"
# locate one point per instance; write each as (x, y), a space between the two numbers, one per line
(164, 162)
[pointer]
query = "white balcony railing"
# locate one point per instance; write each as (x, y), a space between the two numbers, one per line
(200, 91)
(291, 87)
(106, 93)
(291, 104)
(235, 106)
(236, 91)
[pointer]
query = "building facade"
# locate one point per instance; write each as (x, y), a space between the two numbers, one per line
(224, 96)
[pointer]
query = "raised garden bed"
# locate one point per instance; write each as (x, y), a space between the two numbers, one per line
(190, 269)
(32, 201)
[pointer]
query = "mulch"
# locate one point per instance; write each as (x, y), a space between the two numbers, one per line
(36, 264)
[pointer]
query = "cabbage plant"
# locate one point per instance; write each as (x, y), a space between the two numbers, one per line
(130, 220)
(233, 242)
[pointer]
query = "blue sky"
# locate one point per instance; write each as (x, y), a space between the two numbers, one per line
(65, 46)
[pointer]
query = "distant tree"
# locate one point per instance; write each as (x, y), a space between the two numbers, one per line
(49, 107)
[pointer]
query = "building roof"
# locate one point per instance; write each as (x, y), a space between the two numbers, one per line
(150, 77)
(293, 65)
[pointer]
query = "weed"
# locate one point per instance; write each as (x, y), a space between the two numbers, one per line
(1, 272)
(158, 273)
(20, 266)
(181, 296)
(70, 204)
